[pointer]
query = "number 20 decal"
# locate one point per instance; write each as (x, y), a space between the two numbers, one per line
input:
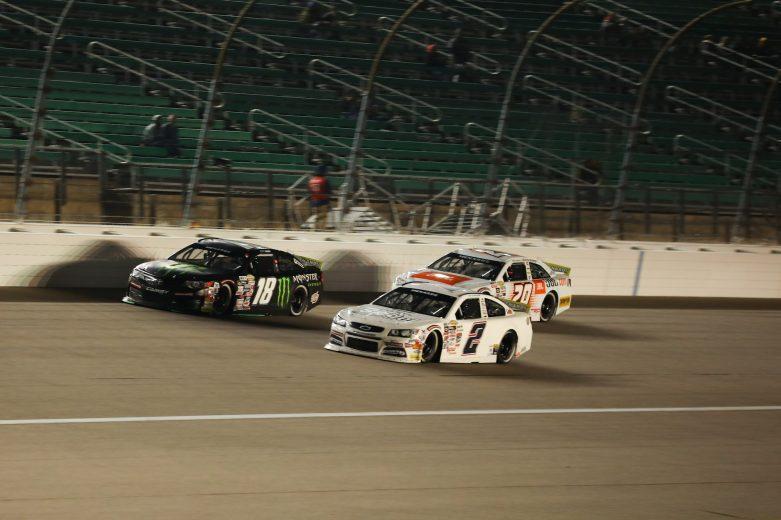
(265, 291)
(522, 292)
(474, 339)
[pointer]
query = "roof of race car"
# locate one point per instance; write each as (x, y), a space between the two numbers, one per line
(233, 246)
(490, 254)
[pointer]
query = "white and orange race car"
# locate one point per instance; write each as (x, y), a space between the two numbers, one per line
(545, 288)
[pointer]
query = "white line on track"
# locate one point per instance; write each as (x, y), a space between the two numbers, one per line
(411, 413)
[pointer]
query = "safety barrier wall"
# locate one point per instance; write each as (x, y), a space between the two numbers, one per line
(41, 255)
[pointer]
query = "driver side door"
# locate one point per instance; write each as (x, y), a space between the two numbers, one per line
(264, 270)
(471, 317)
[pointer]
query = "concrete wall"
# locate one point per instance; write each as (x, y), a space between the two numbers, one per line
(44, 255)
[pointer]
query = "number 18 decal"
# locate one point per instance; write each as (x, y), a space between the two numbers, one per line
(264, 291)
(522, 292)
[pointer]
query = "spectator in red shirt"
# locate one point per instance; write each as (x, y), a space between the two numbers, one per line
(320, 196)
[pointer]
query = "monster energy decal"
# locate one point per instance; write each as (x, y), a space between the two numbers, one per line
(283, 293)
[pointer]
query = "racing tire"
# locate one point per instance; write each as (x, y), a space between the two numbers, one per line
(507, 347)
(432, 349)
(298, 303)
(223, 301)
(548, 308)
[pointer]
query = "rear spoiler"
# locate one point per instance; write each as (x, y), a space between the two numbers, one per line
(563, 269)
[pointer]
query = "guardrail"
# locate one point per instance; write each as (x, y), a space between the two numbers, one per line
(523, 145)
(37, 18)
(728, 114)
(308, 132)
(199, 88)
(608, 113)
(261, 39)
(101, 142)
(610, 68)
(479, 61)
(435, 116)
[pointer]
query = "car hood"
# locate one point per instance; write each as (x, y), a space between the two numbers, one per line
(171, 270)
(451, 279)
(386, 317)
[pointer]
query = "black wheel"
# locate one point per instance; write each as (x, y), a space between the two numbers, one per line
(431, 349)
(223, 301)
(507, 347)
(548, 308)
(298, 302)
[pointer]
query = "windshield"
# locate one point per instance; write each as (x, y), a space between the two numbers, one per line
(415, 300)
(204, 257)
(468, 266)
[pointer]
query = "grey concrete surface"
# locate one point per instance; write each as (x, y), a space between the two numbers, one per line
(78, 357)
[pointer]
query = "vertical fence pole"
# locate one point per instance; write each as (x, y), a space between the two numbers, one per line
(616, 212)
(741, 227)
(39, 110)
(501, 127)
(208, 114)
(360, 126)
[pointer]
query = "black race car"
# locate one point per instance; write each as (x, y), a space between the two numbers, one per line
(223, 277)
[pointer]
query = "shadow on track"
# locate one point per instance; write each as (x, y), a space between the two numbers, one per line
(566, 327)
(518, 370)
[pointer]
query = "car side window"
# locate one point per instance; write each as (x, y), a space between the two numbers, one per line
(263, 265)
(469, 310)
(517, 273)
(286, 264)
(538, 271)
(494, 308)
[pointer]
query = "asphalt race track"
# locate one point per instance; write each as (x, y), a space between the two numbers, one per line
(85, 356)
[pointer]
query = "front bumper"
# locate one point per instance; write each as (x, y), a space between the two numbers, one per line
(398, 350)
(138, 294)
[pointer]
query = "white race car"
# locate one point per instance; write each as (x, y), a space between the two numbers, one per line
(545, 288)
(430, 323)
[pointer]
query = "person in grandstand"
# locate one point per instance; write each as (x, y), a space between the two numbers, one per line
(171, 137)
(320, 195)
(153, 132)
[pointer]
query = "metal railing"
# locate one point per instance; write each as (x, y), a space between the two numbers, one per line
(608, 113)
(213, 18)
(486, 17)
(738, 59)
(353, 9)
(523, 146)
(640, 18)
(727, 163)
(718, 111)
(479, 61)
(198, 89)
(306, 133)
(74, 145)
(434, 116)
(33, 28)
(606, 66)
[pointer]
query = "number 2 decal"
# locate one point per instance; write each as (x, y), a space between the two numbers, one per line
(522, 292)
(265, 291)
(474, 339)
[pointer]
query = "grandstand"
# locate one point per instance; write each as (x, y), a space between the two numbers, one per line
(428, 132)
